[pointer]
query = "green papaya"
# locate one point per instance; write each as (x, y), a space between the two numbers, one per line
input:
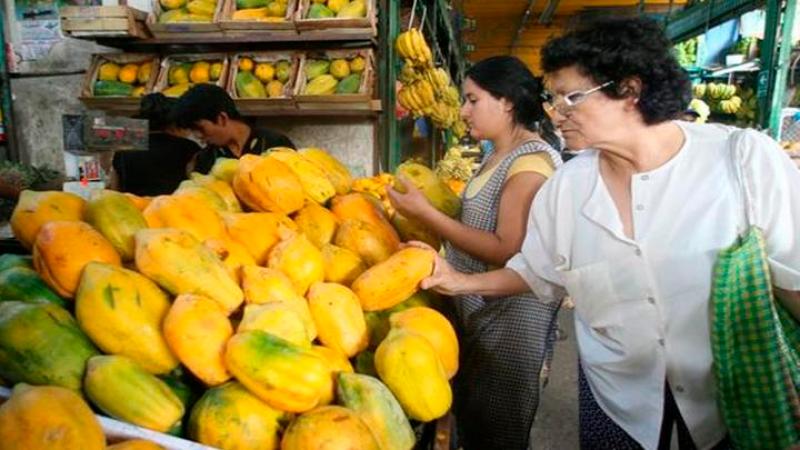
(42, 344)
(9, 260)
(321, 85)
(320, 11)
(349, 85)
(248, 86)
(316, 68)
(251, 4)
(25, 285)
(112, 89)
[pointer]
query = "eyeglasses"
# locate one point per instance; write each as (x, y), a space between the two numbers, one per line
(563, 104)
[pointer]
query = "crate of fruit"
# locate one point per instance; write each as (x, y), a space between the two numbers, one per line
(335, 76)
(258, 15)
(326, 14)
(180, 72)
(115, 81)
(103, 21)
(261, 80)
(197, 19)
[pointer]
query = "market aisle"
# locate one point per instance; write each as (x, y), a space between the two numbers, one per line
(556, 425)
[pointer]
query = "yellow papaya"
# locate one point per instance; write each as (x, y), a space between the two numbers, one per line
(394, 280)
(128, 73)
(172, 4)
(365, 240)
(144, 71)
(185, 212)
(297, 257)
(337, 363)
(435, 190)
(135, 444)
(196, 329)
(414, 230)
(258, 232)
(201, 70)
(342, 266)
(176, 90)
(366, 209)
(250, 14)
(122, 311)
(434, 327)
(340, 321)
(202, 8)
(317, 223)
(266, 184)
(35, 209)
(224, 169)
(181, 264)
(328, 427)
(262, 285)
(233, 254)
(315, 183)
(278, 319)
(116, 217)
(202, 194)
(337, 173)
(321, 85)
(221, 188)
(108, 71)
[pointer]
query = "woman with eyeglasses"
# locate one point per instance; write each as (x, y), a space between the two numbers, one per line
(631, 230)
(504, 340)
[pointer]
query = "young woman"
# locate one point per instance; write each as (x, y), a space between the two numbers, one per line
(504, 340)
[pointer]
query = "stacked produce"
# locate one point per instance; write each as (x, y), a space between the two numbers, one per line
(427, 91)
(262, 77)
(122, 80)
(333, 76)
(264, 294)
(187, 11)
(722, 98)
(182, 75)
(261, 10)
(338, 9)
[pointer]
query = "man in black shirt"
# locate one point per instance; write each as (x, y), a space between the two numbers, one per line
(209, 110)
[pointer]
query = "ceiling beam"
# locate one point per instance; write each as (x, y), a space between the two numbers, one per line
(523, 21)
(549, 11)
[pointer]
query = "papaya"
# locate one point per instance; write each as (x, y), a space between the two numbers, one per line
(108, 71)
(224, 169)
(63, 249)
(321, 85)
(315, 67)
(144, 72)
(221, 188)
(48, 418)
(283, 70)
(180, 264)
(297, 257)
(378, 324)
(275, 89)
(336, 5)
(139, 202)
(196, 330)
(365, 240)
(177, 90)
(201, 70)
(320, 11)
(342, 266)
(266, 184)
(328, 427)
(125, 391)
(357, 64)
(258, 232)
(122, 311)
(349, 85)
(172, 4)
(232, 254)
(285, 376)
(316, 184)
(363, 207)
(25, 285)
(264, 71)
(201, 8)
(353, 10)
(248, 86)
(42, 344)
(394, 280)
(189, 212)
(111, 89)
(215, 71)
(128, 73)
(263, 285)
(337, 173)
(434, 327)
(278, 319)
(317, 223)
(116, 217)
(435, 190)
(10, 261)
(375, 404)
(414, 230)
(340, 68)
(202, 194)
(135, 444)
(250, 14)
(419, 383)
(337, 363)
(338, 317)
(230, 417)
(173, 16)
(34, 209)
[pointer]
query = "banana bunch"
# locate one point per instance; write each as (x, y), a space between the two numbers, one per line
(720, 91)
(731, 105)
(454, 165)
(460, 128)
(439, 78)
(748, 109)
(413, 48)
(699, 90)
(418, 97)
(409, 74)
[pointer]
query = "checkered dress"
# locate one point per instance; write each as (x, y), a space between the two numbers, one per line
(503, 341)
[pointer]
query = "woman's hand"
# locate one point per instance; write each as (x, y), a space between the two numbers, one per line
(412, 204)
(444, 279)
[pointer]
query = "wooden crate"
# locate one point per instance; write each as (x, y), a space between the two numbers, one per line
(195, 30)
(304, 24)
(119, 104)
(227, 22)
(362, 97)
(163, 74)
(250, 106)
(103, 21)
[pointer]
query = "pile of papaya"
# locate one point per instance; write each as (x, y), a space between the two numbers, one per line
(333, 76)
(181, 75)
(122, 80)
(337, 9)
(261, 10)
(262, 78)
(264, 305)
(187, 11)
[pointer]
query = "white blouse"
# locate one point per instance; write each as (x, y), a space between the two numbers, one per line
(642, 304)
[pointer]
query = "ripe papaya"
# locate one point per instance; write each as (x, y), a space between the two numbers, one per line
(331, 427)
(278, 319)
(435, 190)
(116, 217)
(258, 232)
(321, 85)
(316, 184)
(248, 86)
(434, 327)
(35, 208)
(191, 212)
(394, 280)
(342, 266)
(266, 184)
(262, 285)
(337, 363)
(366, 240)
(337, 173)
(297, 257)
(339, 318)
(317, 223)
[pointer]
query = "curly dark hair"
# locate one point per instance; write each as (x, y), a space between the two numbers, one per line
(615, 49)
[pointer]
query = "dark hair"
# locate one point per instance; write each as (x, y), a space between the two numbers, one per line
(157, 109)
(204, 102)
(507, 77)
(615, 49)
